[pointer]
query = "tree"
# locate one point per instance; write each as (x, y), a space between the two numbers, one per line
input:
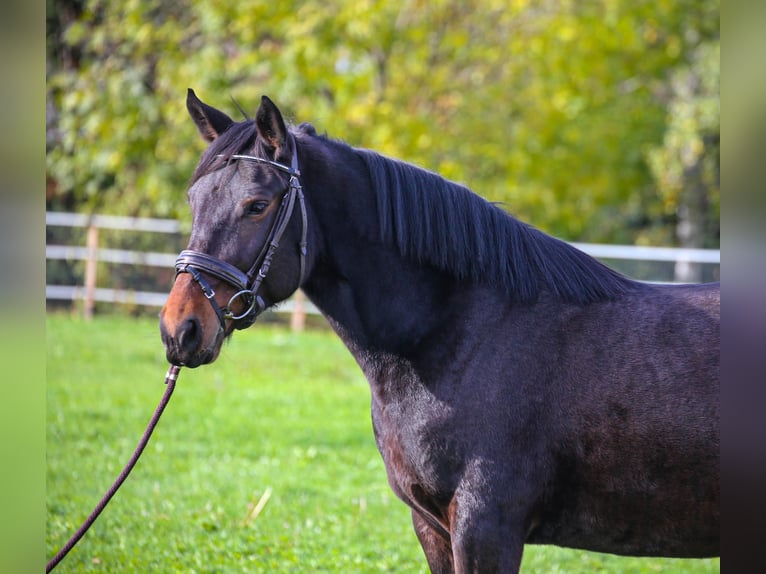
(550, 107)
(686, 164)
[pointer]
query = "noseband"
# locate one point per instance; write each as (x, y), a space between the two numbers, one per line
(248, 284)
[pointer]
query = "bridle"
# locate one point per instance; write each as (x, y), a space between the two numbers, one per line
(248, 284)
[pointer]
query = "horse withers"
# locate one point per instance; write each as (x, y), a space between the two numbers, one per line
(522, 392)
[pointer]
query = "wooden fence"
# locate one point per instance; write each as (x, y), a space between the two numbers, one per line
(92, 253)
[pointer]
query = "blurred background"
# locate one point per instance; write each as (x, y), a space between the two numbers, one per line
(598, 121)
(593, 118)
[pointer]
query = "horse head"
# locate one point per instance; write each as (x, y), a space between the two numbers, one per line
(248, 242)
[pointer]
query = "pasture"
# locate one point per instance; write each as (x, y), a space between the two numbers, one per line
(263, 462)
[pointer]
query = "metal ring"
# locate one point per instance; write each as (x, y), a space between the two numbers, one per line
(230, 315)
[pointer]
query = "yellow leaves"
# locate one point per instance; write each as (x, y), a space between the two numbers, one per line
(692, 151)
(75, 33)
(673, 47)
(650, 32)
(567, 103)
(451, 169)
(359, 26)
(144, 32)
(566, 33)
(547, 106)
(109, 159)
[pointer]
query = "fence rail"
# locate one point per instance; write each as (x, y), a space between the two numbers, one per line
(91, 254)
(66, 219)
(76, 253)
(645, 253)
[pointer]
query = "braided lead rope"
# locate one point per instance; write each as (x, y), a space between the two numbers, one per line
(170, 382)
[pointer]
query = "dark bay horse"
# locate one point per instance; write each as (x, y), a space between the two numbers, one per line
(522, 392)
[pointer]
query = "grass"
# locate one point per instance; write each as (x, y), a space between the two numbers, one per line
(263, 462)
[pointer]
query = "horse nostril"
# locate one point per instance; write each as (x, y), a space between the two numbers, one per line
(190, 335)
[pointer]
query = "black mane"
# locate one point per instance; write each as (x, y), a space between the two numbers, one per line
(443, 224)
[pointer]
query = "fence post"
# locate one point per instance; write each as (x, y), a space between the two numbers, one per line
(686, 271)
(91, 266)
(298, 316)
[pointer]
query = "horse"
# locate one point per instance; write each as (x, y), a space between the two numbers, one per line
(521, 391)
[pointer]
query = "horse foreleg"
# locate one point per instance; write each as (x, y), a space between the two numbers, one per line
(438, 551)
(485, 538)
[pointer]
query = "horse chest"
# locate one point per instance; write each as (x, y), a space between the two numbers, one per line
(421, 453)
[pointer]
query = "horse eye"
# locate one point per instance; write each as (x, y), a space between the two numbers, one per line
(257, 207)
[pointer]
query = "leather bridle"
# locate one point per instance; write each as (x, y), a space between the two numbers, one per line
(247, 284)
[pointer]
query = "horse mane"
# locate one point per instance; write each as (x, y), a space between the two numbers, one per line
(446, 225)
(443, 224)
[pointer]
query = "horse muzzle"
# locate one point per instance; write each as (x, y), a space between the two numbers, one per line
(190, 330)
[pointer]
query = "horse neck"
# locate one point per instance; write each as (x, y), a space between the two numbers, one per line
(373, 297)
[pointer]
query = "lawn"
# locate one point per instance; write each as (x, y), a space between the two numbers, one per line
(263, 462)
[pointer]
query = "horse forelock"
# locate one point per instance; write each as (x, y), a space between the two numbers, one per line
(239, 138)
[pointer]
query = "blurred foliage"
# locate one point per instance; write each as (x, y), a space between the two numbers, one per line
(573, 114)
(686, 165)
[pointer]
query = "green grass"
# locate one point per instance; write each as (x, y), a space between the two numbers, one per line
(279, 413)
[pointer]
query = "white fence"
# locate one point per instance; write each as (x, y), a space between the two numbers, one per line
(91, 253)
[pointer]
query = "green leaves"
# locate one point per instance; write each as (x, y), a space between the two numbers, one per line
(552, 108)
(685, 165)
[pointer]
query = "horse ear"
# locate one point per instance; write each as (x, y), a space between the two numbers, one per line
(211, 123)
(271, 126)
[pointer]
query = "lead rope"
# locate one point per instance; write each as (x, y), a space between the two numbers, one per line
(170, 382)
